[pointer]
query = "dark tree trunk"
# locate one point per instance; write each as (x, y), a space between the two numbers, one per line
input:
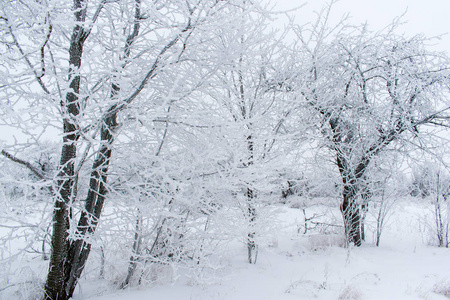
(351, 213)
(80, 248)
(54, 286)
(55, 283)
(351, 208)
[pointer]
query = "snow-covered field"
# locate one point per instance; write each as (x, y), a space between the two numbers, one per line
(293, 265)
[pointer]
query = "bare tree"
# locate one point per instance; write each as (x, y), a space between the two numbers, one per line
(369, 89)
(110, 52)
(431, 181)
(249, 105)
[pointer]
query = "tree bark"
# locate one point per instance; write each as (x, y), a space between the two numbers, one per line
(80, 248)
(251, 214)
(351, 208)
(251, 210)
(351, 212)
(135, 251)
(55, 283)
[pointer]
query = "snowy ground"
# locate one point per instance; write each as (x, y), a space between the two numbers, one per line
(313, 266)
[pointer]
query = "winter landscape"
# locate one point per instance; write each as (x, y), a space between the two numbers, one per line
(220, 149)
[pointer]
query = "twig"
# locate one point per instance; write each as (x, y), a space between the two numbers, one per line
(25, 164)
(14, 284)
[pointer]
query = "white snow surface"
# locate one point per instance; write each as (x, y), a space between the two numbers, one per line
(311, 266)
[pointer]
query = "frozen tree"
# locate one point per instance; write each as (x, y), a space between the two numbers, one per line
(442, 209)
(370, 90)
(250, 109)
(432, 182)
(81, 65)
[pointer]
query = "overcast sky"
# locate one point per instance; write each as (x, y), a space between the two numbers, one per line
(430, 17)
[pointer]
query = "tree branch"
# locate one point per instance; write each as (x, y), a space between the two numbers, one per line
(25, 164)
(150, 74)
(30, 65)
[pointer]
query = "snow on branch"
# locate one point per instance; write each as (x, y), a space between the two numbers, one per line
(24, 163)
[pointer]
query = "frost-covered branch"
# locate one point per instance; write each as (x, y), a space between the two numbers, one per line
(24, 163)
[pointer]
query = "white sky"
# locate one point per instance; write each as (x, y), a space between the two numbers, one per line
(430, 17)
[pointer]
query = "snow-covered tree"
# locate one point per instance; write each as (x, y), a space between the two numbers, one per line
(251, 110)
(370, 90)
(81, 64)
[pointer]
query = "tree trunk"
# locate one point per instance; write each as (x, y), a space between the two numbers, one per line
(351, 208)
(135, 251)
(351, 212)
(364, 210)
(54, 286)
(251, 214)
(55, 283)
(251, 210)
(80, 248)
